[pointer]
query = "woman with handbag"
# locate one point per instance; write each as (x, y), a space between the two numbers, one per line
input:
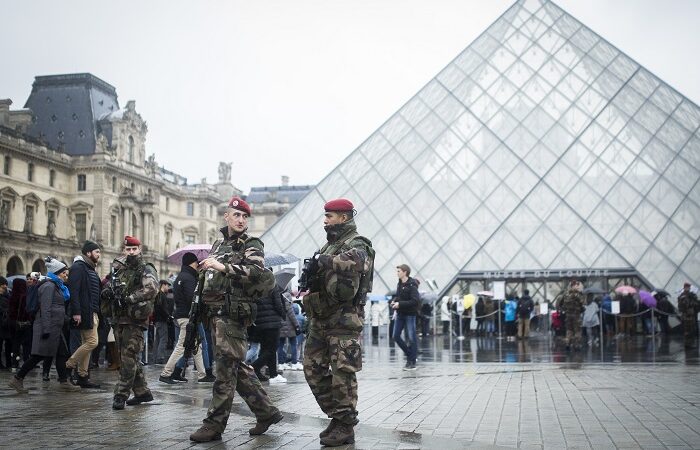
(48, 339)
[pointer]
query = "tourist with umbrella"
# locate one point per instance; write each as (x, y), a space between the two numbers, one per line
(665, 309)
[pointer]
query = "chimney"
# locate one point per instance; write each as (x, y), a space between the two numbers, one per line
(285, 180)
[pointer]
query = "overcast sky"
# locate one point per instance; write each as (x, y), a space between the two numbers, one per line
(291, 87)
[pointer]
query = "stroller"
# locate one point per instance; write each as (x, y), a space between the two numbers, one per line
(557, 325)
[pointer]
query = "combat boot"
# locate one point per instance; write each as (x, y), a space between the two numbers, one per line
(119, 402)
(67, 386)
(328, 429)
(138, 399)
(17, 384)
(262, 425)
(205, 434)
(341, 434)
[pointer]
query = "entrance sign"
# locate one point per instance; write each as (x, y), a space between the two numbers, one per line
(615, 307)
(544, 308)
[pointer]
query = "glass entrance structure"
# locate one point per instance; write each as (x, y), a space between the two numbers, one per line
(541, 146)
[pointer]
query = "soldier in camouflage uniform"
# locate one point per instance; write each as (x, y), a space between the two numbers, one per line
(572, 304)
(129, 309)
(234, 278)
(688, 306)
(333, 354)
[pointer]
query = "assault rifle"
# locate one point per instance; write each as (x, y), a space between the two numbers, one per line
(308, 274)
(192, 338)
(117, 287)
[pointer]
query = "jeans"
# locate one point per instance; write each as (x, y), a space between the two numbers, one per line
(253, 352)
(160, 340)
(300, 346)
(282, 353)
(408, 322)
(205, 348)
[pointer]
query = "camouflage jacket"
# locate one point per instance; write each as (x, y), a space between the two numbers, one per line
(342, 262)
(245, 276)
(140, 292)
(572, 303)
(688, 304)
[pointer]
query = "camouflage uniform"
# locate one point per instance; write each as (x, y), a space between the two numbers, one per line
(245, 280)
(140, 291)
(572, 305)
(333, 354)
(688, 306)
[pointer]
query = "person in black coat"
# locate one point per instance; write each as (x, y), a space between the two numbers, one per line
(162, 316)
(84, 286)
(48, 339)
(5, 330)
(666, 308)
(407, 304)
(525, 307)
(268, 321)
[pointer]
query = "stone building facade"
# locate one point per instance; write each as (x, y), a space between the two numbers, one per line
(74, 167)
(269, 203)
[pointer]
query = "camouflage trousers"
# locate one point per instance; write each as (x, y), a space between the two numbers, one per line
(233, 374)
(573, 329)
(690, 329)
(331, 359)
(129, 339)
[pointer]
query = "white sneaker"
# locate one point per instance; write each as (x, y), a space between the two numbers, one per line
(283, 367)
(298, 366)
(278, 379)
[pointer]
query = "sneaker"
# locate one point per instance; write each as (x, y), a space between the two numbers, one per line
(167, 380)
(138, 399)
(208, 378)
(283, 367)
(17, 384)
(410, 366)
(297, 366)
(407, 366)
(278, 379)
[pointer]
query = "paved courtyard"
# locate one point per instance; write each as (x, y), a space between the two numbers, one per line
(633, 394)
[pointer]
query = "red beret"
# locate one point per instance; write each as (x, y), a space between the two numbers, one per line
(339, 204)
(239, 204)
(130, 241)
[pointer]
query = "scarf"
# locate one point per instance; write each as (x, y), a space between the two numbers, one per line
(59, 283)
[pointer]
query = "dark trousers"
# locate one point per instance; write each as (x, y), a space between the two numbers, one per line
(6, 347)
(34, 361)
(269, 340)
(409, 323)
(23, 338)
(663, 323)
(466, 325)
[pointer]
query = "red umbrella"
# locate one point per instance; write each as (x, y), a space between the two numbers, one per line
(647, 299)
(624, 290)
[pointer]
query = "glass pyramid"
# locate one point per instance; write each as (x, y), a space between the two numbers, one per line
(541, 145)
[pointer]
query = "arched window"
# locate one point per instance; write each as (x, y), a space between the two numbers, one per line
(131, 149)
(15, 266)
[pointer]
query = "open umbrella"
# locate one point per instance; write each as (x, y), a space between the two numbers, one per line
(594, 291)
(485, 293)
(428, 298)
(624, 290)
(283, 277)
(661, 292)
(201, 251)
(469, 301)
(278, 259)
(647, 299)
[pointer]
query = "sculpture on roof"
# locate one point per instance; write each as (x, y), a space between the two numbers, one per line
(225, 172)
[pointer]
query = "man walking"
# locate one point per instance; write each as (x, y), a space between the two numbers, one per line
(340, 277)
(406, 304)
(162, 315)
(84, 287)
(572, 304)
(234, 278)
(689, 306)
(183, 292)
(525, 307)
(136, 282)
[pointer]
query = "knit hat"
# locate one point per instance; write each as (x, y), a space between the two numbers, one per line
(89, 246)
(188, 258)
(54, 266)
(3, 281)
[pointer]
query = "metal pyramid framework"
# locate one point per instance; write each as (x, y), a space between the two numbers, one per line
(540, 146)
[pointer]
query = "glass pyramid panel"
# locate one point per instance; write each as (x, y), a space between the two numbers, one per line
(540, 146)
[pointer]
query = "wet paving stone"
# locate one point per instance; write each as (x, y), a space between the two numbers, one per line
(462, 396)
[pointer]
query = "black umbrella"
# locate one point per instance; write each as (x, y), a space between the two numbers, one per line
(661, 292)
(283, 277)
(594, 291)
